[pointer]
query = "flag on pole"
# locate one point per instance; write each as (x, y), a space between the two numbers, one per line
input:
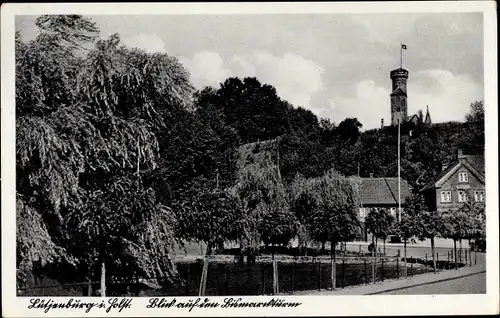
(403, 47)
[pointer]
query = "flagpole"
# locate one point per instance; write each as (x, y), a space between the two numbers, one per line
(399, 167)
(401, 53)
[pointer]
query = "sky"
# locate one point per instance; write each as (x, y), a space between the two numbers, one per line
(336, 65)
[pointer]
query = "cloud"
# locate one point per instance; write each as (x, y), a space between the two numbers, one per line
(368, 103)
(295, 78)
(151, 43)
(448, 96)
(206, 68)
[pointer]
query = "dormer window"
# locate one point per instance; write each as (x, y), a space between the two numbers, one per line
(463, 177)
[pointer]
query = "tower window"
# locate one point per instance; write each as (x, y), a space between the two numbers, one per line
(398, 109)
(403, 103)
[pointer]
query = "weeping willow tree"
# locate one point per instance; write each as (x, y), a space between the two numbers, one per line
(87, 115)
(263, 198)
(336, 219)
(305, 200)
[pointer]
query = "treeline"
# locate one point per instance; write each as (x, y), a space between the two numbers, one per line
(118, 158)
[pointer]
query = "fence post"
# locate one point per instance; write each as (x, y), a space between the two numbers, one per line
(411, 265)
(397, 267)
(277, 278)
(359, 249)
(475, 257)
(187, 280)
(263, 279)
(426, 262)
(319, 276)
(343, 271)
(470, 258)
(465, 252)
(364, 261)
(382, 269)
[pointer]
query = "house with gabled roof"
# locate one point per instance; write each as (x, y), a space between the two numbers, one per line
(381, 193)
(459, 181)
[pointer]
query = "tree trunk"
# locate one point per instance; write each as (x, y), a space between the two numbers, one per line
(433, 251)
(241, 257)
(455, 251)
(384, 245)
(404, 252)
(374, 252)
(204, 273)
(460, 241)
(103, 279)
(89, 287)
(323, 247)
(334, 266)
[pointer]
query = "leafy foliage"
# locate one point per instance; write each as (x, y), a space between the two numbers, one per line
(87, 118)
(212, 217)
(379, 221)
(336, 220)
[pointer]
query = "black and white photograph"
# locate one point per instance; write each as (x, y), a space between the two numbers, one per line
(220, 156)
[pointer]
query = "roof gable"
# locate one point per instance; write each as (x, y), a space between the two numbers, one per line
(446, 174)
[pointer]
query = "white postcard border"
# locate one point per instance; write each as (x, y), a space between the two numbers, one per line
(311, 305)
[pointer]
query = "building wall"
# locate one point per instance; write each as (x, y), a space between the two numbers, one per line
(454, 185)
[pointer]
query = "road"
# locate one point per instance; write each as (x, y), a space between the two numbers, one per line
(475, 284)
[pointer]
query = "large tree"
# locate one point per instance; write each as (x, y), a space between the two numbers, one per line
(88, 113)
(337, 218)
(262, 195)
(409, 225)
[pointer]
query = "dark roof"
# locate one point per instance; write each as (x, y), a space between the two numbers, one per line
(383, 191)
(438, 177)
(475, 161)
(398, 91)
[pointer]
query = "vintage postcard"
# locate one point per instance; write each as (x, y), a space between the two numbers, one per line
(249, 159)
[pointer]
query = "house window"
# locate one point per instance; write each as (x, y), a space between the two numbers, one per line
(362, 213)
(463, 177)
(393, 212)
(462, 196)
(479, 196)
(445, 196)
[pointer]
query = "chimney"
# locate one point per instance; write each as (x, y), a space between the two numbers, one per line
(461, 157)
(371, 175)
(381, 123)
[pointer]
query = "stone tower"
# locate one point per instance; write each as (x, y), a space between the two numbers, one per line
(399, 98)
